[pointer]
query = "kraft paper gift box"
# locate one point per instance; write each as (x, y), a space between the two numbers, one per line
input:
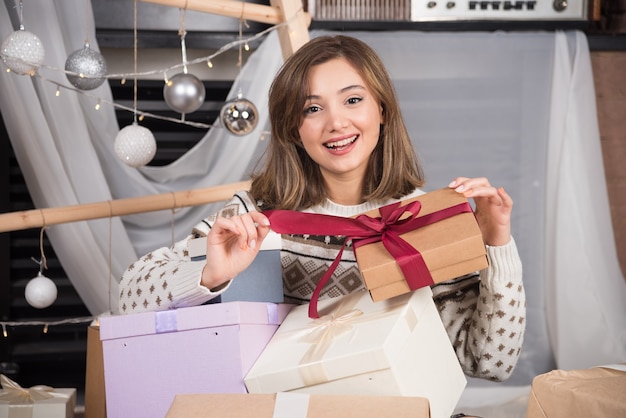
(149, 357)
(396, 347)
(585, 393)
(95, 399)
(297, 405)
(36, 402)
(450, 247)
(262, 281)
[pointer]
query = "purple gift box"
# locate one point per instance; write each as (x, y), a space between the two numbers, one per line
(152, 356)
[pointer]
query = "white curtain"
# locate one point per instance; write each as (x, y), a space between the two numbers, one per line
(518, 108)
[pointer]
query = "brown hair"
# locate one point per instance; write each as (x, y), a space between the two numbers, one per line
(290, 179)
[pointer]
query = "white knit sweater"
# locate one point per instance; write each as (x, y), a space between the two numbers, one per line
(483, 313)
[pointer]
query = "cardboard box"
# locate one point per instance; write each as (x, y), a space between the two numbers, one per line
(262, 281)
(290, 405)
(396, 347)
(450, 248)
(149, 357)
(95, 399)
(35, 402)
(594, 392)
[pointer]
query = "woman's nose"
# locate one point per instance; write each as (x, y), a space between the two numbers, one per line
(337, 120)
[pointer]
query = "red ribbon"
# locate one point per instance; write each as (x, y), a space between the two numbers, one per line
(364, 230)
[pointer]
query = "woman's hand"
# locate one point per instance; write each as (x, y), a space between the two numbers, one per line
(232, 245)
(493, 208)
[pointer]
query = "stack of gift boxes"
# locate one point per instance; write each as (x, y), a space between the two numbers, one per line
(373, 346)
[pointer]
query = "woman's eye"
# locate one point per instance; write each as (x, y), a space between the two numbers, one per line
(311, 109)
(353, 100)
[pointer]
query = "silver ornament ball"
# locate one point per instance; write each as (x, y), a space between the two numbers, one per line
(22, 52)
(40, 292)
(135, 145)
(239, 116)
(184, 93)
(88, 63)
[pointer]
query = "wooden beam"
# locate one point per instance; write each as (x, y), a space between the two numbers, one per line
(37, 218)
(296, 32)
(292, 35)
(230, 8)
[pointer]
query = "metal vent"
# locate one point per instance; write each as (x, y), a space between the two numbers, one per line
(360, 10)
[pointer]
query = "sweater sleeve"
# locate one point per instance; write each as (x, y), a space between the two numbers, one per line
(167, 277)
(485, 314)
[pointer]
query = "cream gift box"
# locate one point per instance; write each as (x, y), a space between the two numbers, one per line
(149, 357)
(35, 402)
(395, 347)
(297, 405)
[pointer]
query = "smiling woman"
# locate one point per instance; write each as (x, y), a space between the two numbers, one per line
(339, 146)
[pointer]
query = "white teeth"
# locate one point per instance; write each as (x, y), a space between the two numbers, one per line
(341, 143)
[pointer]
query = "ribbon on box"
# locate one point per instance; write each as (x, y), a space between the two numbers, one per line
(15, 394)
(321, 332)
(364, 230)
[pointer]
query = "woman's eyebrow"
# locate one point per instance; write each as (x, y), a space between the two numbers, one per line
(342, 90)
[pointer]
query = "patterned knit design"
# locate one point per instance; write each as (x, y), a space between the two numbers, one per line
(484, 314)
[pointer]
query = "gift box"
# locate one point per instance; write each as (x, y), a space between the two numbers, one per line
(151, 356)
(95, 400)
(297, 405)
(594, 392)
(35, 402)
(450, 246)
(396, 347)
(262, 281)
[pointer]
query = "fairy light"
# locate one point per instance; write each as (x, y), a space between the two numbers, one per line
(209, 64)
(98, 105)
(58, 92)
(45, 324)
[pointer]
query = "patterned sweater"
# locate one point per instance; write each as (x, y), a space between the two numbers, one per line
(483, 313)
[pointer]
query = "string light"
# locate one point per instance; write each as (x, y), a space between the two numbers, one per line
(98, 105)
(44, 324)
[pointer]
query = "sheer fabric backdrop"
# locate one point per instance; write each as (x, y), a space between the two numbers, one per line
(518, 108)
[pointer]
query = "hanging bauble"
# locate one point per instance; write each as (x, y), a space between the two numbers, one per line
(239, 116)
(184, 93)
(22, 52)
(40, 292)
(135, 145)
(88, 68)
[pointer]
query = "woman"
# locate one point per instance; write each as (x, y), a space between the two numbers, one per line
(339, 146)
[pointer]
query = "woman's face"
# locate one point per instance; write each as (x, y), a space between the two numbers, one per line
(342, 119)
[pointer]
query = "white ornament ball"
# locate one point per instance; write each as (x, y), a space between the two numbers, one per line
(135, 145)
(239, 116)
(40, 292)
(88, 63)
(22, 52)
(184, 93)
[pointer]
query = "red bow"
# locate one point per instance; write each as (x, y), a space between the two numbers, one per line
(364, 230)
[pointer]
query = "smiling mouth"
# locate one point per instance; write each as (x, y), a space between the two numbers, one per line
(341, 144)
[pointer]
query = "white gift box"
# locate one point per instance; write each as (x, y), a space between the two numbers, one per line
(395, 347)
(35, 402)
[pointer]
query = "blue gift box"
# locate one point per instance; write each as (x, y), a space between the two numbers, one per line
(262, 281)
